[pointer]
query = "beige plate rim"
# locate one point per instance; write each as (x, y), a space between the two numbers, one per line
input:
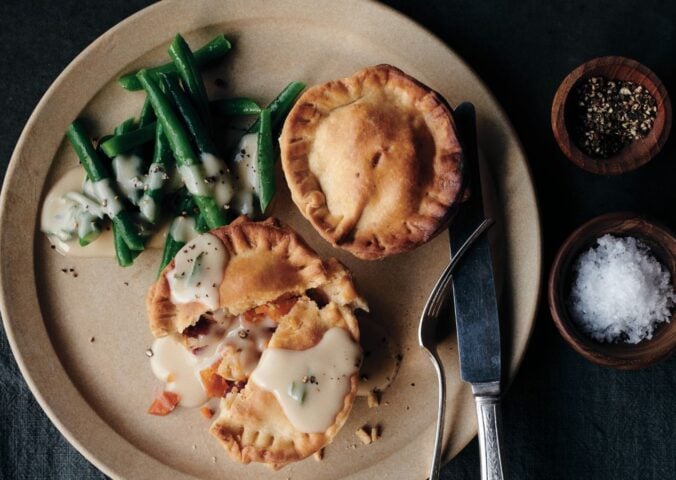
(24, 139)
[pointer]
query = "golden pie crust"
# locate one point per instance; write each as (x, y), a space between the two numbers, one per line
(373, 161)
(267, 262)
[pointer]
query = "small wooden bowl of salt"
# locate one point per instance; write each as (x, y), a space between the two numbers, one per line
(611, 291)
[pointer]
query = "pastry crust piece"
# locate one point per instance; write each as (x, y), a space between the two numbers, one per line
(268, 262)
(373, 161)
(252, 425)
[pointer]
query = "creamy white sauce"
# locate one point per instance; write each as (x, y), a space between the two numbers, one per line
(129, 177)
(148, 207)
(68, 214)
(89, 205)
(244, 203)
(198, 271)
(311, 406)
(59, 218)
(246, 163)
(105, 194)
(183, 229)
(52, 219)
(218, 177)
(381, 358)
(175, 365)
(246, 175)
(156, 177)
(194, 179)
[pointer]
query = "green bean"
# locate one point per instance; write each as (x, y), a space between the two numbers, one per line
(171, 248)
(187, 68)
(191, 118)
(122, 143)
(185, 206)
(95, 168)
(92, 233)
(122, 252)
(124, 127)
(157, 177)
(266, 160)
(201, 224)
(125, 223)
(96, 171)
(171, 125)
(280, 106)
(147, 115)
(213, 50)
(180, 146)
(235, 107)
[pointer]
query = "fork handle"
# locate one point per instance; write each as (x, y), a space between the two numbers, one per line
(490, 436)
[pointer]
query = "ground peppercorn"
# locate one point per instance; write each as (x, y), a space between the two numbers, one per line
(607, 115)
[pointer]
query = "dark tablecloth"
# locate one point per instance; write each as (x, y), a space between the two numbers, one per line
(564, 418)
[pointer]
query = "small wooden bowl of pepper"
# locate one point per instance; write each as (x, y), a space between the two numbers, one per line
(611, 115)
(620, 355)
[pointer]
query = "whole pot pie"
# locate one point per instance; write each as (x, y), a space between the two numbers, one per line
(248, 314)
(373, 161)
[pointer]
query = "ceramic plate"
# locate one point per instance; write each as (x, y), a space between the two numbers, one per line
(97, 392)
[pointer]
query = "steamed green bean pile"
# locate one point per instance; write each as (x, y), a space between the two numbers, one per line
(166, 167)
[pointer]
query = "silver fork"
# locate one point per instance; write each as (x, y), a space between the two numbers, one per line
(428, 340)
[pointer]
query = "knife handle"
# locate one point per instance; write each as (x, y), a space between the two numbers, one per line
(490, 436)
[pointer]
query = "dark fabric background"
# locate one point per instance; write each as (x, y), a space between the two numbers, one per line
(564, 418)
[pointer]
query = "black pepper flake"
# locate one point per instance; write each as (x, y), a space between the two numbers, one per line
(607, 115)
(126, 284)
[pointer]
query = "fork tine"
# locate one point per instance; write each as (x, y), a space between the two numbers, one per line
(435, 300)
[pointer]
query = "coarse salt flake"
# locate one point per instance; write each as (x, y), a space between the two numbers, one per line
(620, 291)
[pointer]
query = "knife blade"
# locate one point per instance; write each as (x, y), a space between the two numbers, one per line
(476, 308)
(475, 301)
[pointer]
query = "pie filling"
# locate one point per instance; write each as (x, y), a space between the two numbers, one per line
(215, 354)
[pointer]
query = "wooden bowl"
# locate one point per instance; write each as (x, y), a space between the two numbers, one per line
(638, 152)
(617, 355)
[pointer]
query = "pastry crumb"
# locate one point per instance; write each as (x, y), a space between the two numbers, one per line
(363, 436)
(194, 446)
(373, 398)
(213, 459)
(319, 455)
(207, 412)
(375, 433)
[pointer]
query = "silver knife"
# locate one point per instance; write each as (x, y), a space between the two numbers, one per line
(476, 309)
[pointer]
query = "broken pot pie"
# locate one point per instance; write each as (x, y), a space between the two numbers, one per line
(250, 315)
(373, 161)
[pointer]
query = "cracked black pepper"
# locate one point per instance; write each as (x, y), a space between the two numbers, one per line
(607, 115)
